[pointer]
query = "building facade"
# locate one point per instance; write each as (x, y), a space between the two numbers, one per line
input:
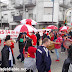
(39, 10)
(65, 11)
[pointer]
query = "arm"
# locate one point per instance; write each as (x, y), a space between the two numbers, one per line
(28, 35)
(38, 58)
(65, 66)
(24, 38)
(56, 42)
(70, 68)
(47, 61)
(34, 49)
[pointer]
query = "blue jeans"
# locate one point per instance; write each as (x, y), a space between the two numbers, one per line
(21, 55)
(57, 53)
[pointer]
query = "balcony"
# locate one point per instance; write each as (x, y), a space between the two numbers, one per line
(19, 6)
(71, 1)
(64, 4)
(30, 3)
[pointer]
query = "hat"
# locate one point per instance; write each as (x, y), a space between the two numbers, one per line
(7, 37)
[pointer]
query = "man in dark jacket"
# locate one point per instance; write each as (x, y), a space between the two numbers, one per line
(68, 61)
(7, 57)
(38, 38)
(43, 60)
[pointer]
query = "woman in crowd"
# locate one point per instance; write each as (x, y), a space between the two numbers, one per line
(21, 43)
(29, 61)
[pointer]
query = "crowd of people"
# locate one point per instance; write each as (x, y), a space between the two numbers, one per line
(35, 56)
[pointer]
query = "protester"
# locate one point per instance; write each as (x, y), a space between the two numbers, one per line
(67, 66)
(38, 38)
(63, 49)
(47, 33)
(12, 46)
(0, 41)
(7, 57)
(55, 35)
(21, 43)
(29, 61)
(51, 37)
(43, 60)
(70, 34)
(33, 37)
(44, 35)
(58, 45)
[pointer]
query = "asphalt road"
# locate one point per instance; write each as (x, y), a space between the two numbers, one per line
(55, 67)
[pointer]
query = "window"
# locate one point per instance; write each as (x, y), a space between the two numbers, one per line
(47, 10)
(69, 19)
(61, 9)
(30, 16)
(12, 14)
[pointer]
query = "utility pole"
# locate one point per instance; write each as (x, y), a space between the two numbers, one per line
(1, 13)
(24, 16)
(53, 12)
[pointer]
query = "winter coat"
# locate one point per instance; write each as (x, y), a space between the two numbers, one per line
(66, 64)
(43, 60)
(5, 57)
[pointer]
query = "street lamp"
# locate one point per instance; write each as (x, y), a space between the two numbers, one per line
(52, 11)
(24, 16)
(1, 13)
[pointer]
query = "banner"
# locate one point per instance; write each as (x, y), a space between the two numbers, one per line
(12, 33)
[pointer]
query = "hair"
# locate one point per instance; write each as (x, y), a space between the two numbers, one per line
(38, 32)
(45, 40)
(28, 44)
(19, 36)
(70, 52)
(47, 31)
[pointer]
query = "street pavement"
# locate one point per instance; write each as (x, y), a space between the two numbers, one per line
(55, 67)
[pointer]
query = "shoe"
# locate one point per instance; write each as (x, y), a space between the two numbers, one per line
(22, 61)
(52, 52)
(62, 52)
(17, 58)
(57, 60)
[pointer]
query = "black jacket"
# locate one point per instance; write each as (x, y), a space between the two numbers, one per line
(5, 57)
(38, 36)
(44, 36)
(21, 45)
(66, 65)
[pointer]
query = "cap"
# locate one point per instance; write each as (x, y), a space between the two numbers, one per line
(7, 37)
